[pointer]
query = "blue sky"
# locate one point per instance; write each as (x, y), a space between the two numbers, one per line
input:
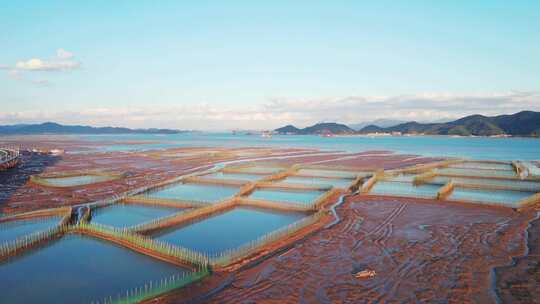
(243, 64)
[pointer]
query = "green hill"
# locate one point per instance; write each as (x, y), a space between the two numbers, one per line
(320, 128)
(526, 123)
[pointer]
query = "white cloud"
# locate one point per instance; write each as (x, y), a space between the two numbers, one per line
(281, 111)
(36, 64)
(63, 54)
(62, 62)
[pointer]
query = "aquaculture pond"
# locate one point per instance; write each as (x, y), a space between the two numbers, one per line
(318, 181)
(298, 197)
(510, 183)
(485, 166)
(409, 178)
(500, 197)
(79, 180)
(532, 168)
(126, 215)
(195, 192)
(257, 169)
(77, 269)
(327, 173)
(476, 172)
(10, 231)
(405, 189)
(229, 230)
(235, 176)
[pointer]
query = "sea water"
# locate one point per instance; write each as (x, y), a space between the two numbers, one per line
(480, 148)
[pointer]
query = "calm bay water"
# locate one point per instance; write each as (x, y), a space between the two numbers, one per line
(466, 147)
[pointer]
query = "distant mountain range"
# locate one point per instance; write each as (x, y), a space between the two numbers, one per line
(526, 123)
(54, 128)
(383, 123)
(320, 128)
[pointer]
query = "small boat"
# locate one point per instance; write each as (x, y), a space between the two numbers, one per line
(266, 134)
(365, 274)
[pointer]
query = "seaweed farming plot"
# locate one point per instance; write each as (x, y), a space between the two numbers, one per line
(507, 198)
(515, 184)
(194, 192)
(234, 176)
(483, 166)
(71, 181)
(77, 269)
(229, 230)
(127, 215)
(327, 173)
(405, 189)
(318, 181)
(476, 172)
(289, 196)
(10, 231)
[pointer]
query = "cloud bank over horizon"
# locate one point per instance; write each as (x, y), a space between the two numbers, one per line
(277, 112)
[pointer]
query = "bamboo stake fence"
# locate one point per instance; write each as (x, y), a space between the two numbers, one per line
(152, 289)
(43, 179)
(179, 253)
(282, 206)
(37, 214)
(166, 202)
(29, 241)
(424, 178)
(183, 218)
(229, 256)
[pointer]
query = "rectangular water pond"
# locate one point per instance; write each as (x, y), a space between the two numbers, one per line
(406, 178)
(497, 197)
(476, 172)
(127, 215)
(264, 170)
(327, 173)
(195, 192)
(318, 181)
(235, 176)
(405, 189)
(533, 186)
(229, 230)
(298, 197)
(533, 169)
(11, 231)
(485, 166)
(76, 269)
(80, 180)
